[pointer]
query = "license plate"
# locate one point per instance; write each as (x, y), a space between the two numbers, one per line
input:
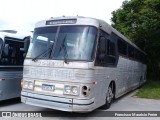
(48, 87)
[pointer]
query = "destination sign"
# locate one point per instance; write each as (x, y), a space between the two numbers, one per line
(62, 21)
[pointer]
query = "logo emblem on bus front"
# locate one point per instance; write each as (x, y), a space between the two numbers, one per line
(50, 63)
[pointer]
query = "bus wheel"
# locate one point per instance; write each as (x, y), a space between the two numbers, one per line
(109, 97)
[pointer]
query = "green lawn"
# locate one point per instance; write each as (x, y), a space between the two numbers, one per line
(151, 89)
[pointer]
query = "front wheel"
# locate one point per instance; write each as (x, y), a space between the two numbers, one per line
(109, 98)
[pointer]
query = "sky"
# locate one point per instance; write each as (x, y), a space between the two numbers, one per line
(21, 15)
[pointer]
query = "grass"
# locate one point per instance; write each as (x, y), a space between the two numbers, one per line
(151, 90)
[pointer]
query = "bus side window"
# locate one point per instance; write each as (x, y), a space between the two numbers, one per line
(130, 52)
(101, 50)
(106, 53)
(5, 53)
(111, 54)
(122, 47)
(1, 44)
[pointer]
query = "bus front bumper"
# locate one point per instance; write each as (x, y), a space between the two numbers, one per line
(58, 103)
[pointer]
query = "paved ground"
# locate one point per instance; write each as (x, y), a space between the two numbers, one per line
(125, 103)
(129, 102)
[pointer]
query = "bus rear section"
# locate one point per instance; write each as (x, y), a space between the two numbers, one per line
(12, 53)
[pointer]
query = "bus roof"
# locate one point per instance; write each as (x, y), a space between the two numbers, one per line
(79, 20)
(19, 37)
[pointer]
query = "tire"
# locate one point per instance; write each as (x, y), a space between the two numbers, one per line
(109, 97)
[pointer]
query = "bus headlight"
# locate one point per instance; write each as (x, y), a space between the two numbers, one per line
(25, 84)
(67, 89)
(28, 85)
(71, 90)
(75, 90)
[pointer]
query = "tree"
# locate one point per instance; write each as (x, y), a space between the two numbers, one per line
(139, 20)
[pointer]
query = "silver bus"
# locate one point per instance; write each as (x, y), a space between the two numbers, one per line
(78, 64)
(13, 48)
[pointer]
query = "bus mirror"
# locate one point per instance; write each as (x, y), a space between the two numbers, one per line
(26, 43)
(102, 44)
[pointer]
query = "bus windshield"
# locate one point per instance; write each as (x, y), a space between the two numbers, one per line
(69, 43)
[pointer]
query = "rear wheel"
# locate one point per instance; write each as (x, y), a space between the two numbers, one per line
(109, 97)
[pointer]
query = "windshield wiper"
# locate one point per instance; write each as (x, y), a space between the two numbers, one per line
(63, 46)
(44, 53)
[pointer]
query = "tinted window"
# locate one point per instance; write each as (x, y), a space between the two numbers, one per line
(1, 44)
(111, 52)
(122, 47)
(130, 51)
(12, 53)
(109, 56)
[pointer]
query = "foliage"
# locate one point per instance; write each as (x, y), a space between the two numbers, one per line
(139, 20)
(151, 89)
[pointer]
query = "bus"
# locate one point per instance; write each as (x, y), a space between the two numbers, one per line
(78, 64)
(13, 49)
